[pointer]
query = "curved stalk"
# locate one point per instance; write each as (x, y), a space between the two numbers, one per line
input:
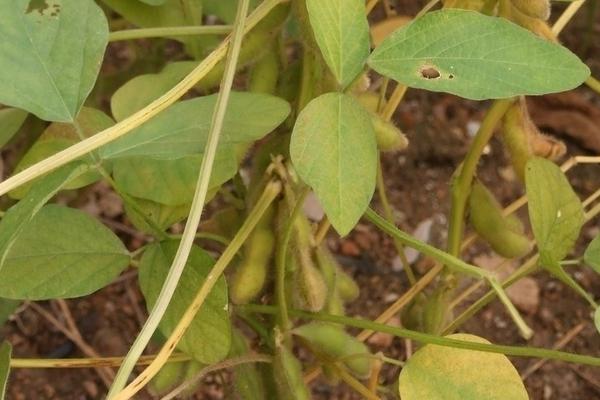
(169, 31)
(191, 226)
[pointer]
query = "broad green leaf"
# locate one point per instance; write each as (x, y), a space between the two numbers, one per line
(61, 253)
(592, 254)
(555, 211)
(21, 214)
(50, 54)
(170, 181)
(143, 89)
(161, 215)
(476, 56)
(342, 32)
(208, 338)
(333, 149)
(59, 136)
(183, 128)
(5, 353)
(445, 373)
(11, 119)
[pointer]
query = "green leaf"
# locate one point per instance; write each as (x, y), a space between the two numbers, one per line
(59, 136)
(170, 181)
(154, 2)
(209, 336)
(592, 254)
(341, 30)
(476, 56)
(11, 119)
(225, 10)
(445, 373)
(5, 353)
(61, 253)
(183, 128)
(21, 214)
(333, 148)
(143, 89)
(555, 211)
(50, 55)
(161, 215)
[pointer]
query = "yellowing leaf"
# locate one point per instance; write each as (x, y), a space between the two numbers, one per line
(445, 373)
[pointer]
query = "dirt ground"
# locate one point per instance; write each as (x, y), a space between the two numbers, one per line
(440, 128)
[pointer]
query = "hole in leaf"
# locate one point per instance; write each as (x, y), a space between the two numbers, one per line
(450, 76)
(429, 72)
(37, 5)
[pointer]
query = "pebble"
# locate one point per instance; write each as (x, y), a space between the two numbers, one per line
(525, 294)
(349, 248)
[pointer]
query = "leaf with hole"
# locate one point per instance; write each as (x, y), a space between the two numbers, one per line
(183, 129)
(341, 30)
(333, 148)
(61, 253)
(50, 54)
(477, 57)
(59, 136)
(446, 373)
(5, 353)
(592, 254)
(11, 119)
(208, 338)
(555, 211)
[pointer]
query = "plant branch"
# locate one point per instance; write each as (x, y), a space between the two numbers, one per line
(169, 31)
(193, 221)
(516, 351)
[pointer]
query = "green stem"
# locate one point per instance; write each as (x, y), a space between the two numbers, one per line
(191, 226)
(169, 31)
(461, 185)
(280, 264)
(455, 264)
(389, 215)
(516, 351)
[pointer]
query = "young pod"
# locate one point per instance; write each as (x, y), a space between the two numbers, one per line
(247, 379)
(329, 269)
(309, 288)
(504, 235)
(516, 137)
(265, 72)
(539, 9)
(288, 376)
(333, 341)
(388, 136)
(251, 274)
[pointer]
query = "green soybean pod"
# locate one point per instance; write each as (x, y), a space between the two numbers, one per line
(487, 220)
(169, 376)
(288, 376)
(539, 9)
(388, 136)
(264, 74)
(334, 341)
(310, 289)
(247, 379)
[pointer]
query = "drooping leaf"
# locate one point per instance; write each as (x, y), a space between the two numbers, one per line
(59, 136)
(209, 336)
(170, 181)
(143, 89)
(5, 353)
(445, 373)
(341, 30)
(61, 253)
(50, 54)
(11, 120)
(477, 57)
(333, 148)
(183, 128)
(21, 214)
(592, 254)
(555, 211)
